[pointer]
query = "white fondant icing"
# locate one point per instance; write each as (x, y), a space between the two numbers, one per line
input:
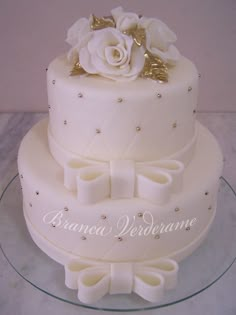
(63, 156)
(122, 175)
(140, 174)
(46, 176)
(63, 257)
(95, 181)
(95, 279)
(99, 109)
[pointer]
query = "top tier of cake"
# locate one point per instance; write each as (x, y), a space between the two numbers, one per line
(102, 119)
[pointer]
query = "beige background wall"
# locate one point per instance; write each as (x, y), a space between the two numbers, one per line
(32, 33)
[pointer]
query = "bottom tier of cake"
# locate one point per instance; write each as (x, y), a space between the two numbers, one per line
(123, 245)
(120, 230)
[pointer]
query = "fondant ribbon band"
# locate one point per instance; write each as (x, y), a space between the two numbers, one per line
(148, 279)
(95, 181)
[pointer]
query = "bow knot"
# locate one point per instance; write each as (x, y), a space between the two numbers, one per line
(93, 280)
(95, 181)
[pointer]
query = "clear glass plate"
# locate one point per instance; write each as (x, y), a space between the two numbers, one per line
(198, 272)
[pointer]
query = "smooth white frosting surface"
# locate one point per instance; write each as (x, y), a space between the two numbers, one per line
(142, 120)
(44, 192)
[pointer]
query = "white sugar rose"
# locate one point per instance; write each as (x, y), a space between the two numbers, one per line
(77, 31)
(75, 36)
(111, 54)
(160, 39)
(124, 20)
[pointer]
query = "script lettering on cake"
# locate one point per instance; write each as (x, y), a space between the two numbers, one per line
(57, 219)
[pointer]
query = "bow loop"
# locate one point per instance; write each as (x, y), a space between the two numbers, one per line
(154, 185)
(93, 184)
(149, 285)
(90, 279)
(168, 268)
(93, 284)
(172, 167)
(72, 270)
(95, 181)
(94, 279)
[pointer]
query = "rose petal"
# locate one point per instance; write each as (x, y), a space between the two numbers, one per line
(137, 61)
(127, 21)
(171, 56)
(72, 55)
(77, 31)
(159, 40)
(116, 12)
(104, 68)
(86, 61)
(111, 57)
(103, 38)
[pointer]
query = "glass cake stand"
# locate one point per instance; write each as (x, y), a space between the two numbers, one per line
(198, 272)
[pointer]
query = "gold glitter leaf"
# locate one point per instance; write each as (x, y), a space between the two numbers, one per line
(100, 23)
(138, 34)
(154, 68)
(77, 69)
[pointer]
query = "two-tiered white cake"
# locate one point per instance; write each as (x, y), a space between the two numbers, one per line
(120, 183)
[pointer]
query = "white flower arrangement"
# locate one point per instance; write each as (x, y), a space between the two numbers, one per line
(122, 47)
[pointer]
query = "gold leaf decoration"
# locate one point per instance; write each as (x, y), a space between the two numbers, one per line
(100, 23)
(154, 68)
(138, 34)
(77, 69)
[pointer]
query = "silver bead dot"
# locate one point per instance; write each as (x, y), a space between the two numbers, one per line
(30, 204)
(37, 192)
(210, 207)
(65, 122)
(174, 125)
(199, 75)
(138, 128)
(120, 100)
(190, 89)
(83, 238)
(206, 193)
(98, 130)
(159, 95)
(80, 95)
(46, 69)
(187, 228)
(194, 111)
(120, 239)
(49, 106)
(66, 209)
(103, 217)
(53, 81)
(157, 236)
(53, 225)
(21, 176)
(140, 214)
(177, 209)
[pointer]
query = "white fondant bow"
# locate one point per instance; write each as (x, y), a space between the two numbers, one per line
(95, 181)
(148, 279)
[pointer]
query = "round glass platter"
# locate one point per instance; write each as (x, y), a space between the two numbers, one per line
(197, 272)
